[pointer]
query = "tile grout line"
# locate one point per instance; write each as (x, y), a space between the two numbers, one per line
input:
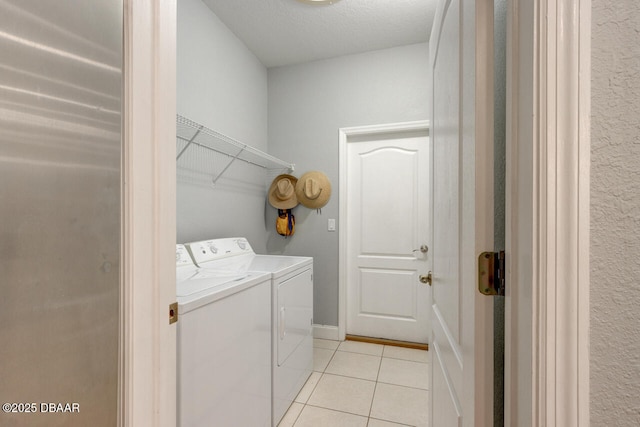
(377, 381)
(375, 386)
(383, 356)
(297, 416)
(351, 378)
(338, 410)
(330, 359)
(402, 385)
(371, 380)
(304, 405)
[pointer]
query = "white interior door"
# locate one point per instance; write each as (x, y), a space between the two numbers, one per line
(462, 321)
(387, 224)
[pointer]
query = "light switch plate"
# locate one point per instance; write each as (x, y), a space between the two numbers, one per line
(331, 224)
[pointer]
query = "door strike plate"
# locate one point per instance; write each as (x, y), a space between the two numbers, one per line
(173, 313)
(491, 273)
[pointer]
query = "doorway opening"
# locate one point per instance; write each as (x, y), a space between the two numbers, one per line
(384, 204)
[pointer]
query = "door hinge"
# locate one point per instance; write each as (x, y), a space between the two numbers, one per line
(173, 313)
(491, 273)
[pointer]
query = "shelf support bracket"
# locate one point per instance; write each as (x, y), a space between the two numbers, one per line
(227, 166)
(195, 135)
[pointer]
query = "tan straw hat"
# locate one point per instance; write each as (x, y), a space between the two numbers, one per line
(313, 190)
(282, 194)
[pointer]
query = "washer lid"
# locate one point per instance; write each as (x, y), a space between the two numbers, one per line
(279, 265)
(193, 286)
(205, 287)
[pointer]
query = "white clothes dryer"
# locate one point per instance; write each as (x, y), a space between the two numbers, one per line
(292, 309)
(224, 346)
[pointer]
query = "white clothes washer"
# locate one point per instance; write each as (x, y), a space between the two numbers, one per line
(292, 309)
(224, 346)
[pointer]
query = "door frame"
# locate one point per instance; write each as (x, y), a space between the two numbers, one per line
(147, 341)
(547, 230)
(535, 190)
(344, 135)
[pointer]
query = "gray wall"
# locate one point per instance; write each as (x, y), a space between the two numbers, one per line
(299, 110)
(308, 103)
(223, 86)
(615, 214)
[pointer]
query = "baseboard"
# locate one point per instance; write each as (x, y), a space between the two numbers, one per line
(326, 332)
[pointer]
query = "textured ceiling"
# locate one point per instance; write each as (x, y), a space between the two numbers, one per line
(285, 32)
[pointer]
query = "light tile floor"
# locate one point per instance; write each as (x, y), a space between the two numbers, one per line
(363, 385)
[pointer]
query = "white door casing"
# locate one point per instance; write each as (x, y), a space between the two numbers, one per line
(148, 341)
(548, 159)
(462, 319)
(386, 221)
(384, 183)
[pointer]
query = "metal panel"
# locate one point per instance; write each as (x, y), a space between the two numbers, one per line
(60, 210)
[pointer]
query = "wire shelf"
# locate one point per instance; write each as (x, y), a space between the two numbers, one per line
(190, 135)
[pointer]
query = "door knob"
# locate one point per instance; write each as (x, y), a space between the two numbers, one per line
(426, 278)
(423, 248)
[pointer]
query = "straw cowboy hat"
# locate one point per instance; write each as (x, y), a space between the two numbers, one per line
(282, 193)
(313, 190)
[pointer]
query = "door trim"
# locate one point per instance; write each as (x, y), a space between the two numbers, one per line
(561, 213)
(147, 341)
(548, 173)
(344, 135)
